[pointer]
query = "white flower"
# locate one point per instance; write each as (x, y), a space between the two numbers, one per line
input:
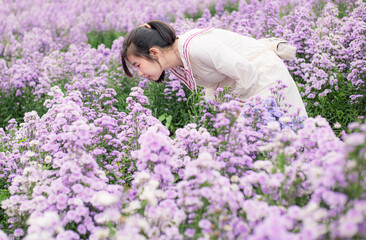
(29, 171)
(227, 228)
(310, 208)
(34, 143)
(30, 154)
(149, 191)
(154, 184)
(48, 219)
(3, 235)
(48, 159)
(268, 147)
(139, 222)
(108, 215)
(273, 125)
(234, 187)
(60, 115)
(337, 125)
(142, 177)
(285, 119)
(160, 193)
(351, 164)
(204, 156)
(179, 217)
(76, 201)
(315, 174)
(263, 164)
(234, 179)
(132, 207)
(320, 214)
(24, 159)
(206, 135)
(104, 198)
(274, 182)
(102, 233)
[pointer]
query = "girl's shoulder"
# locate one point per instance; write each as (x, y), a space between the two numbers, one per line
(193, 32)
(211, 33)
(186, 39)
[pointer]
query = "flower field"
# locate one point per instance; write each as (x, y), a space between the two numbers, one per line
(86, 153)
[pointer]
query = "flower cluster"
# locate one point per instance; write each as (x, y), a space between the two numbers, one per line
(98, 164)
(58, 174)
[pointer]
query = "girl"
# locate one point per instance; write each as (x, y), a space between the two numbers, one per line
(210, 58)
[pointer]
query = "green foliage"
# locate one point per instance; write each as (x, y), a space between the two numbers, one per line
(344, 6)
(166, 118)
(4, 225)
(168, 109)
(199, 13)
(3, 49)
(228, 7)
(122, 86)
(197, 108)
(286, 10)
(357, 168)
(318, 7)
(13, 105)
(337, 108)
(95, 38)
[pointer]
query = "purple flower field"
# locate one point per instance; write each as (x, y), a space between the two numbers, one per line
(86, 153)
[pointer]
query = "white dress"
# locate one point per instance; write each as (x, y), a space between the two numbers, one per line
(215, 58)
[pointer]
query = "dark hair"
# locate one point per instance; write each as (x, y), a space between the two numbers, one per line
(139, 41)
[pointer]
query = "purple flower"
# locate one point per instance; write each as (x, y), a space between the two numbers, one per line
(205, 224)
(348, 229)
(82, 229)
(18, 232)
(189, 232)
(3, 235)
(61, 199)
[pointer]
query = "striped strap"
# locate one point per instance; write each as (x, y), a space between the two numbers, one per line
(186, 75)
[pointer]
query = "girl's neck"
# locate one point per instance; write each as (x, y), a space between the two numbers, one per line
(173, 58)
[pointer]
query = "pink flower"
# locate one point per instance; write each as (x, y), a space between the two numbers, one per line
(348, 229)
(205, 224)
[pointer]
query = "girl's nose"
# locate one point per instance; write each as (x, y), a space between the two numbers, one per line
(140, 73)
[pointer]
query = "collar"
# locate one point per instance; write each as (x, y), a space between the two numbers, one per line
(185, 74)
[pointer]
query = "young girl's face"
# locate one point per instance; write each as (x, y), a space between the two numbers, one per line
(146, 68)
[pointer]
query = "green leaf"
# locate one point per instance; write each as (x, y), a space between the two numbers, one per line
(169, 119)
(4, 194)
(205, 184)
(281, 162)
(162, 117)
(176, 177)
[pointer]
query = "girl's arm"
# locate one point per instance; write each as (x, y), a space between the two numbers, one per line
(216, 56)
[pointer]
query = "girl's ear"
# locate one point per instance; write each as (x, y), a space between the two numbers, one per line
(154, 52)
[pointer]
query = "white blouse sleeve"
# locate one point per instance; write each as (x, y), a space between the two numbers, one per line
(216, 56)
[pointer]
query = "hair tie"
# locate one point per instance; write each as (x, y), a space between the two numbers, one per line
(145, 25)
